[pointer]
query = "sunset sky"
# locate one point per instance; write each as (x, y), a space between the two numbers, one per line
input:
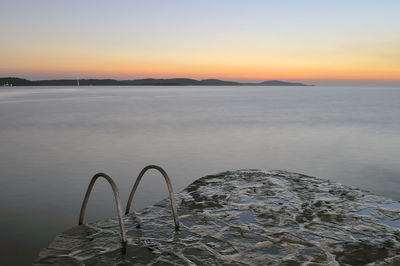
(314, 41)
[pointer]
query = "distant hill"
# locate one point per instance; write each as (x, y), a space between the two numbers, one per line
(161, 82)
(217, 82)
(15, 82)
(140, 82)
(280, 83)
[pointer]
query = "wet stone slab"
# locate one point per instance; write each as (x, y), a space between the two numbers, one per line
(245, 217)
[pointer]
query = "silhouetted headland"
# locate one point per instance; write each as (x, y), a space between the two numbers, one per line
(13, 81)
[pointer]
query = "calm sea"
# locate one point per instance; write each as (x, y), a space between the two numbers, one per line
(54, 139)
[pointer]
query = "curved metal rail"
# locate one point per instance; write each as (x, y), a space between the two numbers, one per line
(170, 190)
(117, 200)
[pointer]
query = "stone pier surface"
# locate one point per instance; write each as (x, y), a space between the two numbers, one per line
(245, 217)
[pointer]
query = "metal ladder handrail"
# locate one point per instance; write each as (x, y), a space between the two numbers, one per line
(170, 190)
(117, 200)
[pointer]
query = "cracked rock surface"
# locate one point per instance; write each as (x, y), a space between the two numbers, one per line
(245, 217)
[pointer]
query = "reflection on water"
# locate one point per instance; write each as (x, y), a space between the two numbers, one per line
(53, 140)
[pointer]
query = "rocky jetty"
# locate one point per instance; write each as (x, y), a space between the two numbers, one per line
(245, 217)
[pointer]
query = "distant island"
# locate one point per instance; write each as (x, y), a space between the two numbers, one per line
(13, 81)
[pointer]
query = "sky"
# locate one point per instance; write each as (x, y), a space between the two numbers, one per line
(339, 41)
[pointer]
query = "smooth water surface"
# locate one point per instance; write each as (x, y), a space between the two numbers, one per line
(54, 139)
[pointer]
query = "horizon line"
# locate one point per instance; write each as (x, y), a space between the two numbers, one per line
(199, 79)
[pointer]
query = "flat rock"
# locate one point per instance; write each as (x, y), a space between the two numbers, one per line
(245, 217)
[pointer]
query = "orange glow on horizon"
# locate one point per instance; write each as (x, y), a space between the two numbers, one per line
(248, 66)
(370, 62)
(315, 41)
(203, 72)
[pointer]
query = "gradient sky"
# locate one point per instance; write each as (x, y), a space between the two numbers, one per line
(341, 40)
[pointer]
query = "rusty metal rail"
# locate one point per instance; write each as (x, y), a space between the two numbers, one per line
(117, 201)
(170, 190)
